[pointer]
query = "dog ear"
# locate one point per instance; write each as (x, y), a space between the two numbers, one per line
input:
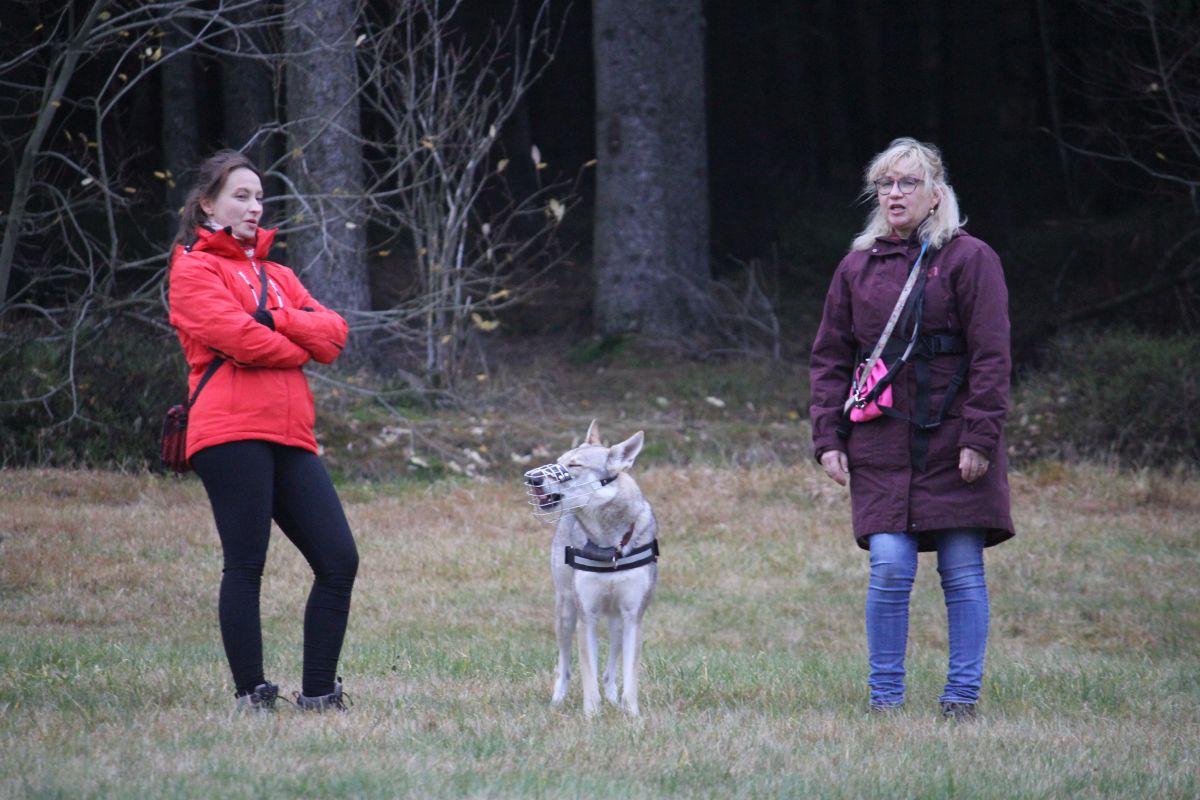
(593, 434)
(621, 456)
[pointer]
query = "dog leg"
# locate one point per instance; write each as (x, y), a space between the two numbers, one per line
(614, 654)
(632, 647)
(588, 663)
(564, 631)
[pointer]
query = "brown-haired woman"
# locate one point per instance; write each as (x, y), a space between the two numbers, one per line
(250, 431)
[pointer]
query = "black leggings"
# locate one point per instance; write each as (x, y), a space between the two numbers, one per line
(249, 483)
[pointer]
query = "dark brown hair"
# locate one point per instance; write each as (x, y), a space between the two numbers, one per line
(210, 179)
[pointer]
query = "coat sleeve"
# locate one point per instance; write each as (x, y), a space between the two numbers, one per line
(203, 308)
(982, 300)
(310, 325)
(830, 364)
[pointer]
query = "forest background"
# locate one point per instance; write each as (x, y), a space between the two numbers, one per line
(503, 199)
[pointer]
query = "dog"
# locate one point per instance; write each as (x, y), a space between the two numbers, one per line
(603, 561)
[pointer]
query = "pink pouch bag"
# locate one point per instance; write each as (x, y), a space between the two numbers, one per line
(871, 410)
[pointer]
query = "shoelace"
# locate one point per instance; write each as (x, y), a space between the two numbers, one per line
(263, 697)
(266, 698)
(339, 700)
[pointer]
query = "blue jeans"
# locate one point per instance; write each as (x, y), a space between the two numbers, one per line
(893, 569)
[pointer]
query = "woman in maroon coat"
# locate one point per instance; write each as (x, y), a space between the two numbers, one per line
(930, 473)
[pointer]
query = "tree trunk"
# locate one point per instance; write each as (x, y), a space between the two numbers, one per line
(180, 135)
(247, 86)
(651, 222)
(326, 243)
(57, 78)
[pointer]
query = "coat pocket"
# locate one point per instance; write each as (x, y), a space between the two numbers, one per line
(943, 441)
(882, 442)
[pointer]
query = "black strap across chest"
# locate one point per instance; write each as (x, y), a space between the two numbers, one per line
(919, 350)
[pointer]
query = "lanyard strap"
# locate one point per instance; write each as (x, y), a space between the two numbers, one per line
(887, 331)
(262, 274)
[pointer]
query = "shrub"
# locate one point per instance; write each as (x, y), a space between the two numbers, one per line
(89, 398)
(1120, 394)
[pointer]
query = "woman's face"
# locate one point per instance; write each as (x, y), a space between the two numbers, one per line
(238, 205)
(904, 212)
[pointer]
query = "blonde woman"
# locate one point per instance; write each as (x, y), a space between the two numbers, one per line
(929, 471)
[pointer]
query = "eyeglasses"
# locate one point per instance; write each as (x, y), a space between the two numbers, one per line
(908, 184)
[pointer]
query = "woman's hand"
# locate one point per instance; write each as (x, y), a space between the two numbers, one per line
(836, 466)
(972, 464)
(263, 317)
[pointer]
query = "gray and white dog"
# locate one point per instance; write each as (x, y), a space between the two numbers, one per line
(603, 561)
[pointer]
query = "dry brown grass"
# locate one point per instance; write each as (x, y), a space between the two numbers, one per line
(112, 682)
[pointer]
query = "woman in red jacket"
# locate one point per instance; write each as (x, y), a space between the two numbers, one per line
(928, 473)
(251, 326)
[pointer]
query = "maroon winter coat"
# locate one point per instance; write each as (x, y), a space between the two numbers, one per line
(964, 295)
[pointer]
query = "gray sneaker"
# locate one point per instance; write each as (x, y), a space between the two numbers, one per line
(337, 700)
(261, 699)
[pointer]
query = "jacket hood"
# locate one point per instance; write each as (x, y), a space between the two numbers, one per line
(223, 243)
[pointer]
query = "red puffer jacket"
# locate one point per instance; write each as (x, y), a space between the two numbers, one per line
(261, 393)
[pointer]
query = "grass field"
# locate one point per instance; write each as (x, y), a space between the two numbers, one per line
(113, 682)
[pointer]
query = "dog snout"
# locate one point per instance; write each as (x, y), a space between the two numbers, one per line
(536, 480)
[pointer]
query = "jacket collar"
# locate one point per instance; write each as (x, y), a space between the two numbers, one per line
(223, 243)
(886, 245)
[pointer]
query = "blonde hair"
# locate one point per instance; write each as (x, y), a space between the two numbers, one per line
(941, 225)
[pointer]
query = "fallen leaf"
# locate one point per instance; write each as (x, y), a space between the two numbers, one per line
(484, 324)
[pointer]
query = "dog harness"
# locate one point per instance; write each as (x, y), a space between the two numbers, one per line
(593, 558)
(590, 558)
